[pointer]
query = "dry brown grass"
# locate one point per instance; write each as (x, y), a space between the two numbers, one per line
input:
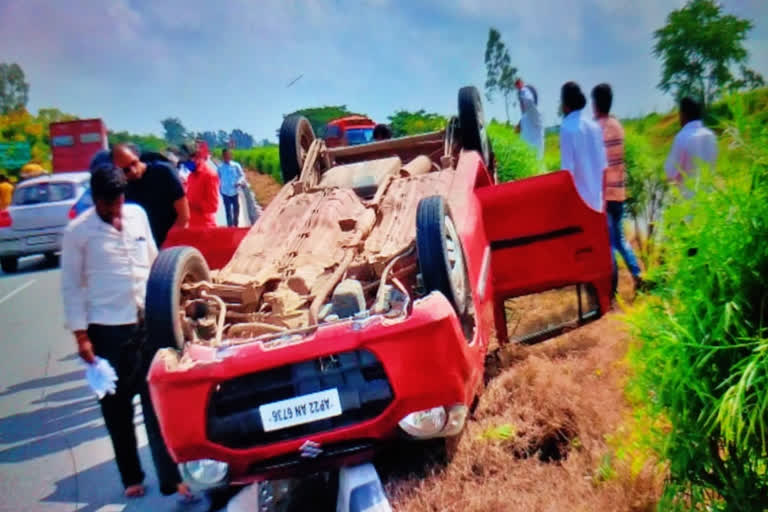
(555, 403)
(264, 186)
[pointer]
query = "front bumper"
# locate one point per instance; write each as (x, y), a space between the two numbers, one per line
(20, 243)
(426, 362)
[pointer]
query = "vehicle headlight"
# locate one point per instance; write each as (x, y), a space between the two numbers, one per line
(424, 424)
(457, 416)
(204, 473)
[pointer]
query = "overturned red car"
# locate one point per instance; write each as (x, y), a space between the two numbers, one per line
(359, 308)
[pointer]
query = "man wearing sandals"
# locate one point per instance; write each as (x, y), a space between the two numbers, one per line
(107, 253)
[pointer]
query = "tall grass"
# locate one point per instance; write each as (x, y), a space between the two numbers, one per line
(515, 159)
(701, 356)
(263, 159)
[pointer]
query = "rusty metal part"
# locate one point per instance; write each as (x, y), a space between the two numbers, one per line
(419, 165)
(385, 273)
(248, 328)
(327, 287)
(222, 315)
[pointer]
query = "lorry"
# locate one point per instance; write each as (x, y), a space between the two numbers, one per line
(349, 131)
(73, 143)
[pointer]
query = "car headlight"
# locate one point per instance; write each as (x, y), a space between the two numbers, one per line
(204, 473)
(424, 424)
(457, 416)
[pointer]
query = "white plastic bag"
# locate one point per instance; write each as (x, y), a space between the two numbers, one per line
(101, 377)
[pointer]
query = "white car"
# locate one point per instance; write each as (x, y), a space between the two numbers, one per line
(39, 212)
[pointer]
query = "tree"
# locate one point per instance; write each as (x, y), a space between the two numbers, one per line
(404, 122)
(209, 137)
(320, 116)
(698, 48)
(241, 139)
(144, 142)
(174, 130)
(222, 138)
(14, 89)
(501, 74)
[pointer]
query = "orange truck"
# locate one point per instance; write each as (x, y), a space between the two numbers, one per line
(73, 143)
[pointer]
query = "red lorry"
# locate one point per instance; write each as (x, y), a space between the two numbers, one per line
(73, 143)
(349, 131)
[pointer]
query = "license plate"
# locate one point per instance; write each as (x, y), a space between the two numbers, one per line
(300, 410)
(41, 239)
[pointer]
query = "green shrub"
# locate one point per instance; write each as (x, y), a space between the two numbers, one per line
(515, 159)
(701, 355)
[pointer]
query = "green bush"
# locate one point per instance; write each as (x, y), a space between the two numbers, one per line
(701, 356)
(515, 159)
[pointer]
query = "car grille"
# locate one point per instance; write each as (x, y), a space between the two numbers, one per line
(233, 412)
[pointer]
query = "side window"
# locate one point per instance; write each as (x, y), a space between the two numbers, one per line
(88, 138)
(61, 191)
(31, 194)
(63, 141)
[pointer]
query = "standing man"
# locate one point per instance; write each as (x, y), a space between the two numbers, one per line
(581, 147)
(203, 191)
(615, 180)
(530, 127)
(6, 192)
(106, 256)
(693, 146)
(231, 177)
(155, 186)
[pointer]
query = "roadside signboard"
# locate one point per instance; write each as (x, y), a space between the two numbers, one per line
(13, 155)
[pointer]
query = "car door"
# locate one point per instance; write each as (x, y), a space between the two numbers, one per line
(544, 239)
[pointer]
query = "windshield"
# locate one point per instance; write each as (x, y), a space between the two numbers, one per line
(359, 135)
(44, 193)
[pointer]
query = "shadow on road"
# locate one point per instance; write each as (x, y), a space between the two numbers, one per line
(43, 382)
(97, 487)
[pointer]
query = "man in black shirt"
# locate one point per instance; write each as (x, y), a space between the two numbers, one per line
(155, 186)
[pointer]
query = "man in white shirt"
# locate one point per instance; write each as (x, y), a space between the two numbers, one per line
(107, 253)
(693, 146)
(531, 127)
(231, 177)
(582, 151)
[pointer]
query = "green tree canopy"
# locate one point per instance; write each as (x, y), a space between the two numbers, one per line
(320, 116)
(501, 75)
(698, 47)
(14, 89)
(175, 133)
(404, 122)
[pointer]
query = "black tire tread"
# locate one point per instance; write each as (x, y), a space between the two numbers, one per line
(470, 130)
(290, 167)
(163, 280)
(9, 264)
(430, 236)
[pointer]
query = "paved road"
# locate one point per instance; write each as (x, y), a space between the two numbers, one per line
(55, 454)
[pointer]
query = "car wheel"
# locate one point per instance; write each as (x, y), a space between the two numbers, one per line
(472, 123)
(51, 259)
(296, 135)
(441, 257)
(172, 268)
(9, 264)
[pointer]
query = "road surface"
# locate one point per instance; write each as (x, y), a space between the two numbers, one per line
(55, 454)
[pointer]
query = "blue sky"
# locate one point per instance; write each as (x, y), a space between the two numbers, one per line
(224, 65)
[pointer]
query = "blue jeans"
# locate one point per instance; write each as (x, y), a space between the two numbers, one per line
(232, 209)
(615, 213)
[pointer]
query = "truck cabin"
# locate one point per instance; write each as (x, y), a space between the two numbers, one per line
(73, 143)
(349, 131)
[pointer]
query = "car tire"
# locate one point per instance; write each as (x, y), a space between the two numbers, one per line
(9, 264)
(472, 123)
(296, 135)
(51, 259)
(440, 254)
(171, 269)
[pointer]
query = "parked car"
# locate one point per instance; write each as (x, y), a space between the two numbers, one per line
(359, 309)
(39, 212)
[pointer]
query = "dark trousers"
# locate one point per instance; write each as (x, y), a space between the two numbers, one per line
(124, 347)
(232, 209)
